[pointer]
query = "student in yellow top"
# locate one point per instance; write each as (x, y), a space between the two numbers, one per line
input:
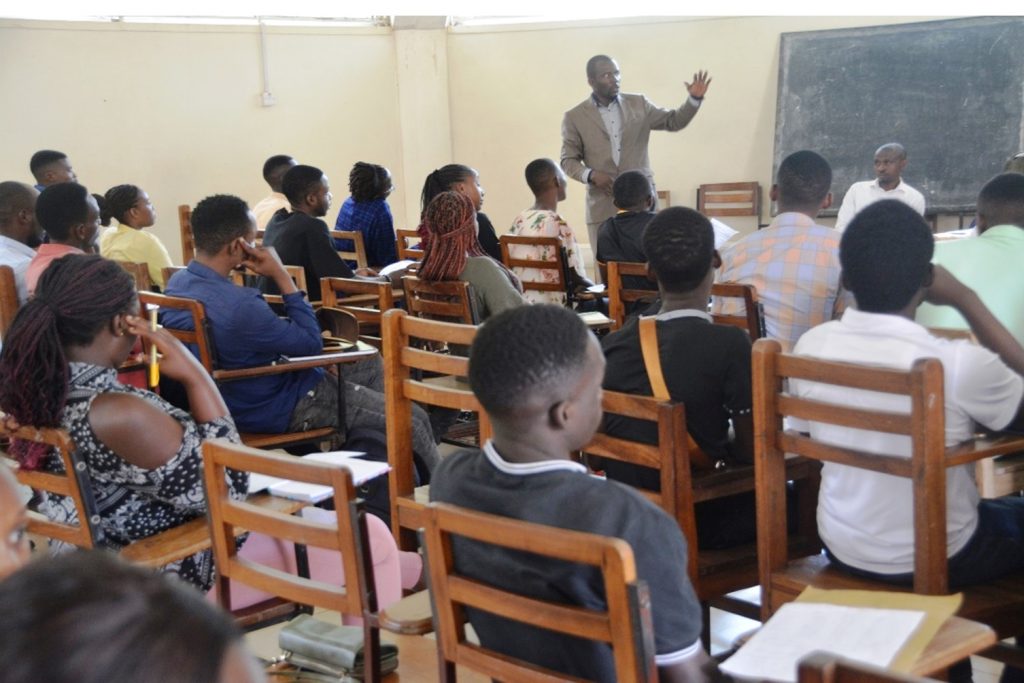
(128, 241)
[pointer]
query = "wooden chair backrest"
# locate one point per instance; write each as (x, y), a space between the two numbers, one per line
(730, 199)
(559, 266)
(449, 300)
(380, 295)
(823, 667)
(188, 243)
(8, 299)
(924, 425)
(169, 271)
(358, 251)
(74, 483)
(139, 272)
(199, 335)
(670, 457)
(296, 273)
(619, 295)
(404, 363)
(751, 319)
(625, 625)
(406, 240)
(227, 515)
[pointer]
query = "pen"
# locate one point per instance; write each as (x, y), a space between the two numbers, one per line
(154, 366)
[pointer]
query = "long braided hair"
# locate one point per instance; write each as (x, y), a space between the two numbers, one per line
(450, 221)
(439, 180)
(76, 296)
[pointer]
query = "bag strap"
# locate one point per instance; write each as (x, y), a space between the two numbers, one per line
(699, 460)
(652, 357)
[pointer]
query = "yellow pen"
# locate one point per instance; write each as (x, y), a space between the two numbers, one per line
(154, 366)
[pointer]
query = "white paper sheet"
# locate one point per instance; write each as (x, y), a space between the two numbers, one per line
(362, 471)
(872, 636)
(723, 232)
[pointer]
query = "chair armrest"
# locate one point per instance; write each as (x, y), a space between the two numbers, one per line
(984, 447)
(297, 363)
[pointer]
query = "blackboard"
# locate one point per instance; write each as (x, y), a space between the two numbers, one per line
(952, 92)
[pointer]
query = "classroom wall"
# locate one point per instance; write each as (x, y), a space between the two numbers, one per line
(176, 109)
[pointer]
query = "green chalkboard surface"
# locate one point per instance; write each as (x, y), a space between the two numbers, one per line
(952, 92)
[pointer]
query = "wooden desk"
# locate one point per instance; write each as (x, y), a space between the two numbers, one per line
(958, 638)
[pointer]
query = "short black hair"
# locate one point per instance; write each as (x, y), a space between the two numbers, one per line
(367, 181)
(680, 246)
(217, 220)
(886, 256)
(43, 158)
(524, 352)
(90, 617)
(274, 164)
(631, 190)
(900, 150)
(539, 173)
(299, 181)
(14, 197)
(804, 178)
(1001, 200)
(61, 206)
(594, 61)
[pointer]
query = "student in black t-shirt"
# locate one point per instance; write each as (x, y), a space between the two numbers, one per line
(620, 238)
(705, 366)
(537, 370)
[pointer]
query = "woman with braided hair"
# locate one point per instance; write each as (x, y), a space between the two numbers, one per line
(128, 240)
(453, 252)
(464, 180)
(59, 369)
(367, 211)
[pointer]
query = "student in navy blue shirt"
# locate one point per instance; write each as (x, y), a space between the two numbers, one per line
(247, 332)
(367, 211)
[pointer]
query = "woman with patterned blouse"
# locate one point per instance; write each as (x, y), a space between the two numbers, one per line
(58, 369)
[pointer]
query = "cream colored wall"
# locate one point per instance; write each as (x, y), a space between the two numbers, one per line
(510, 89)
(176, 110)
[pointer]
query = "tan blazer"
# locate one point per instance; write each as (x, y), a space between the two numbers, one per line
(587, 145)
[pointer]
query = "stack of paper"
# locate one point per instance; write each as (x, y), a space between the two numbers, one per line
(863, 634)
(362, 472)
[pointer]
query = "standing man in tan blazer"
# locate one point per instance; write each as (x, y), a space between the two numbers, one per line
(607, 134)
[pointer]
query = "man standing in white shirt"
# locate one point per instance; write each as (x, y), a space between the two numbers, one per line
(20, 233)
(890, 160)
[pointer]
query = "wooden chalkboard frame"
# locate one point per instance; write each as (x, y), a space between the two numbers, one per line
(951, 91)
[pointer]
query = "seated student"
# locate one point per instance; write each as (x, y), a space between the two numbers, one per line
(274, 169)
(89, 617)
(537, 372)
(620, 238)
(547, 182)
(705, 366)
(367, 211)
(71, 218)
(866, 519)
(20, 233)
(464, 180)
(454, 253)
(794, 262)
(14, 545)
(990, 263)
(50, 167)
(131, 207)
(247, 333)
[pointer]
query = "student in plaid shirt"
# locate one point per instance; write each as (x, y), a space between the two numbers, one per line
(794, 262)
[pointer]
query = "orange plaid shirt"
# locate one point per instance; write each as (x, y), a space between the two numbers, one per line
(794, 264)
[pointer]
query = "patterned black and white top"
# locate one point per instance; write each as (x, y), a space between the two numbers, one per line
(133, 502)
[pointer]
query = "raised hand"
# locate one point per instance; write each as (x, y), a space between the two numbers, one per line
(700, 84)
